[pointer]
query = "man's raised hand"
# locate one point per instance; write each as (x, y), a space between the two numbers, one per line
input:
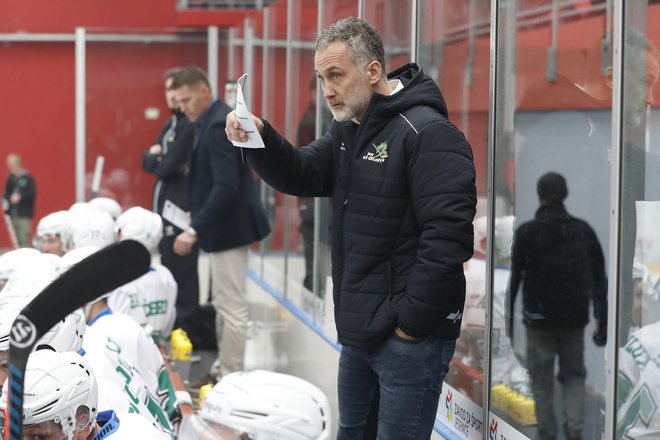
(235, 132)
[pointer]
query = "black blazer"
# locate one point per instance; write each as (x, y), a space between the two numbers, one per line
(224, 202)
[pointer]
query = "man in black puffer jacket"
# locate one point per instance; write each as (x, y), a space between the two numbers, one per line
(401, 177)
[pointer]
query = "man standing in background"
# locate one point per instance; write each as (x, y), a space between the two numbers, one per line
(168, 160)
(227, 214)
(18, 198)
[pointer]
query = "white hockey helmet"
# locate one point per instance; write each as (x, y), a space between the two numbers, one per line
(67, 334)
(93, 228)
(193, 427)
(79, 207)
(18, 292)
(504, 235)
(55, 224)
(75, 256)
(269, 406)
(13, 260)
(106, 204)
(56, 386)
(480, 231)
(142, 225)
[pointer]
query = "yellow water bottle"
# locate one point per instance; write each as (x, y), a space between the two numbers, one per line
(203, 391)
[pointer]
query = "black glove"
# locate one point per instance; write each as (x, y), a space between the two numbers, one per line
(600, 334)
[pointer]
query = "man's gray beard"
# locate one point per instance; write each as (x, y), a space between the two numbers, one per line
(347, 113)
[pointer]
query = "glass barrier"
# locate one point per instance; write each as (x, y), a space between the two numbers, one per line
(637, 393)
(453, 49)
(272, 76)
(393, 20)
(126, 106)
(300, 131)
(551, 231)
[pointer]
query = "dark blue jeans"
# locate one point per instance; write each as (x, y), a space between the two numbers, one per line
(391, 391)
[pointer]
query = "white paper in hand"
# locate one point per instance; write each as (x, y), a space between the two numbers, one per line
(244, 118)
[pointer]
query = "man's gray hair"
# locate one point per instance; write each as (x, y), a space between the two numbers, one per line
(361, 37)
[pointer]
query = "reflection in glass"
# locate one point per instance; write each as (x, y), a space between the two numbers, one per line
(305, 134)
(553, 114)
(559, 263)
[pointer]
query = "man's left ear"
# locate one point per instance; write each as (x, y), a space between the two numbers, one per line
(374, 72)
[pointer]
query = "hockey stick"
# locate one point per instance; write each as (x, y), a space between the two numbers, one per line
(102, 272)
(96, 180)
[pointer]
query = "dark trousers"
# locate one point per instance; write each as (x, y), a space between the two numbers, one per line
(184, 270)
(395, 385)
(543, 347)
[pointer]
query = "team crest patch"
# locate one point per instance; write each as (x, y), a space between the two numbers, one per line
(379, 155)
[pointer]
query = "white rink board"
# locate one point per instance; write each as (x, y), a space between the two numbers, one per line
(460, 414)
(498, 429)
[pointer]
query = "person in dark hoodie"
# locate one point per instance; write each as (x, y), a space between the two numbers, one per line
(167, 158)
(402, 182)
(560, 264)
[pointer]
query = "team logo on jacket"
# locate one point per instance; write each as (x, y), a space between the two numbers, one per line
(379, 155)
(455, 316)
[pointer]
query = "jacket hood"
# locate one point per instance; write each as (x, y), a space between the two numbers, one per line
(418, 90)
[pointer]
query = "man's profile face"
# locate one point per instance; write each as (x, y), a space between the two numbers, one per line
(643, 76)
(172, 103)
(193, 100)
(43, 431)
(345, 85)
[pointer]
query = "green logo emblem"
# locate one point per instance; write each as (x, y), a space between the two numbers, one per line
(379, 156)
(381, 150)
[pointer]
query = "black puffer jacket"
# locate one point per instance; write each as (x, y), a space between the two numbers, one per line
(404, 197)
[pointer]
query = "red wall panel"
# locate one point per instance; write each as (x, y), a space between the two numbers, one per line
(123, 80)
(38, 119)
(65, 15)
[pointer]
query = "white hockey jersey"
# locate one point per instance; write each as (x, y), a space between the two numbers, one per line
(125, 426)
(120, 352)
(150, 300)
(639, 385)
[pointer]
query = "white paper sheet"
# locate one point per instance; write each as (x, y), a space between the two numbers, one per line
(243, 116)
(175, 215)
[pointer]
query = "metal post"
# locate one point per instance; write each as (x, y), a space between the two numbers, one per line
(265, 189)
(248, 50)
(80, 113)
(231, 43)
(414, 34)
(551, 72)
(611, 350)
(318, 121)
(490, 194)
(467, 75)
(287, 129)
(212, 58)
